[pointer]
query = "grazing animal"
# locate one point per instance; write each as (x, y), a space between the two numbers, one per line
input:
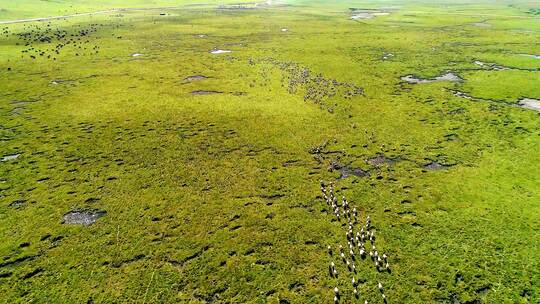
(332, 269)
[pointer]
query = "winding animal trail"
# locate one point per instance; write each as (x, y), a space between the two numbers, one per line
(114, 10)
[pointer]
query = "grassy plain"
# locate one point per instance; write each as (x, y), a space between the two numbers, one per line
(215, 197)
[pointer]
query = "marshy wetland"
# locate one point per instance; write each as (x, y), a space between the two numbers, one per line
(294, 151)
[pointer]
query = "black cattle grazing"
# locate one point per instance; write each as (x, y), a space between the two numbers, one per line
(35, 36)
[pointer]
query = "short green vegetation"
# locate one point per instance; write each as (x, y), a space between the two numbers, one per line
(173, 152)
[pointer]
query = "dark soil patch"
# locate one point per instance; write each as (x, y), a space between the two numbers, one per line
(407, 212)
(236, 227)
(191, 257)
(272, 196)
(458, 278)
(296, 285)
(136, 258)
(483, 290)
(5, 274)
(18, 261)
(92, 200)
(84, 217)
(202, 92)
(32, 273)
(45, 237)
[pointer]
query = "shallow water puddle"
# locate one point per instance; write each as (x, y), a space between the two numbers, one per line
(195, 78)
(381, 160)
(434, 166)
(532, 56)
(461, 94)
(480, 63)
(84, 217)
(348, 171)
(530, 103)
(445, 77)
(17, 203)
(387, 56)
(481, 24)
(220, 51)
(368, 13)
(10, 157)
(490, 65)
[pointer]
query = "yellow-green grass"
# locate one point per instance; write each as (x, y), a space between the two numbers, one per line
(215, 198)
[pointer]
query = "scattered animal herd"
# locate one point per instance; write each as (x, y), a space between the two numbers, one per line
(45, 40)
(50, 41)
(360, 245)
(316, 88)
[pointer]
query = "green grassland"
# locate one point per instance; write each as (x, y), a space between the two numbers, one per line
(214, 198)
